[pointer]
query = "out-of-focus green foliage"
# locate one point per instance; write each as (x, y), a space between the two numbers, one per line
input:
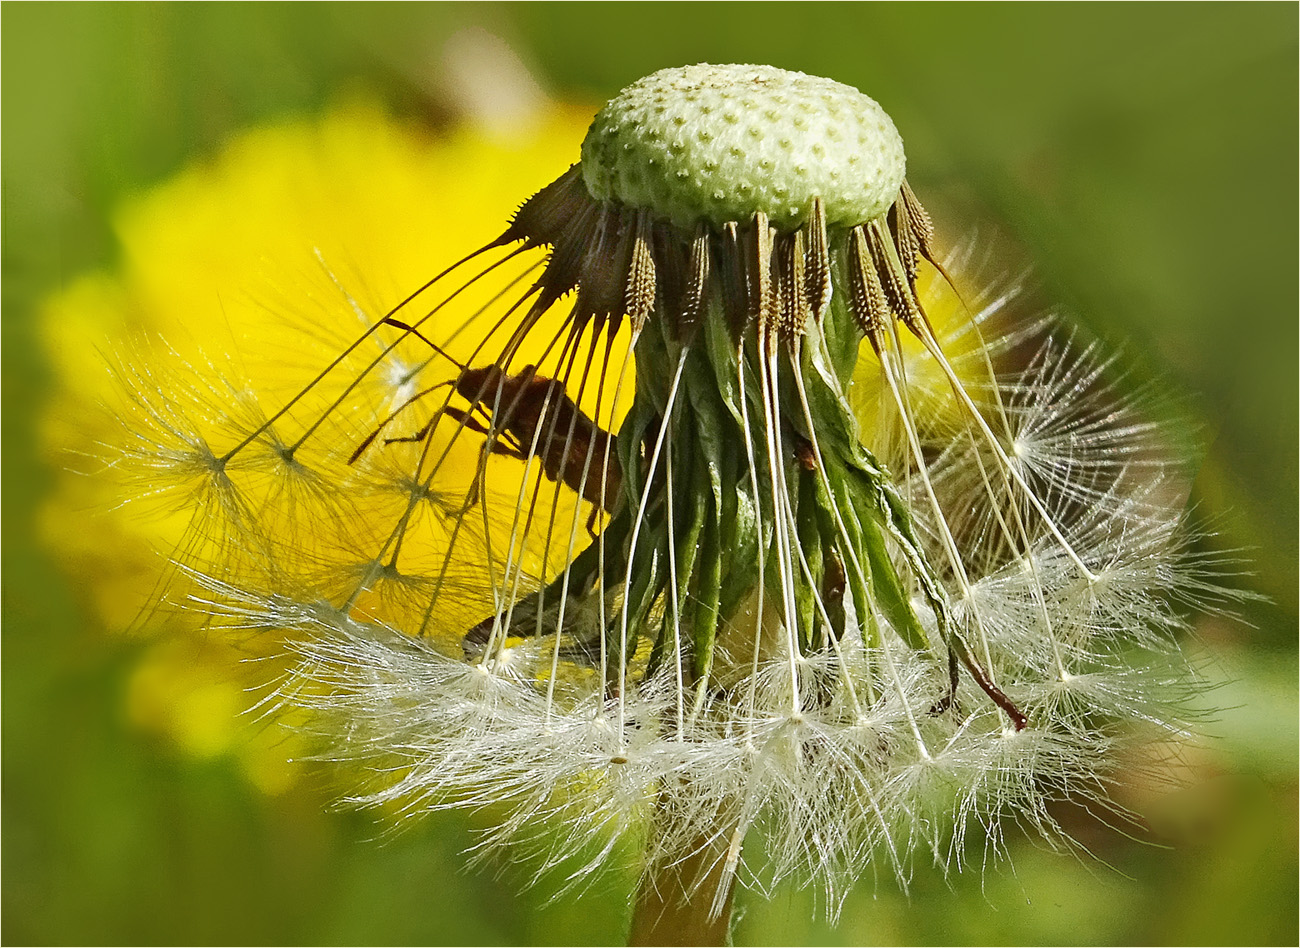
(1142, 157)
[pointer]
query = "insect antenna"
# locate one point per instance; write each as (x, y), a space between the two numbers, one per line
(352, 347)
(411, 330)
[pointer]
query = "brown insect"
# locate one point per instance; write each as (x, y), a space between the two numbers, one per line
(531, 416)
(526, 416)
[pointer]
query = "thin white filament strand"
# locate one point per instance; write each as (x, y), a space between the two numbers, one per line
(891, 668)
(893, 354)
(600, 540)
(515, 557)
(636, 532)
(772, 420)
(747, 437)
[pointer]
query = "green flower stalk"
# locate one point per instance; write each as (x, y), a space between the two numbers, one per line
(714, 517)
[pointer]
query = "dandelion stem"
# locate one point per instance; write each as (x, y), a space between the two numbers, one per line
(689, 901)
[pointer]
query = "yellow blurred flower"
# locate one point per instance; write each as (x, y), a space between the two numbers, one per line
(295, 229)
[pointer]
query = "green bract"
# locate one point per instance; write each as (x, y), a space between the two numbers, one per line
(718, 143)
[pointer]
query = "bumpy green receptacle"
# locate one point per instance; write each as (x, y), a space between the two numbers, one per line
(718, 143)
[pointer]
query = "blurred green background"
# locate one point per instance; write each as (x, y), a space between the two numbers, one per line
(1142, 157)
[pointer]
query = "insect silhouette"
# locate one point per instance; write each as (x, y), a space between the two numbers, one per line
(523, 416)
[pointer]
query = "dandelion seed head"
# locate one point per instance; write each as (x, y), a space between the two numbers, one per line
(721, 142)
(700, 501)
